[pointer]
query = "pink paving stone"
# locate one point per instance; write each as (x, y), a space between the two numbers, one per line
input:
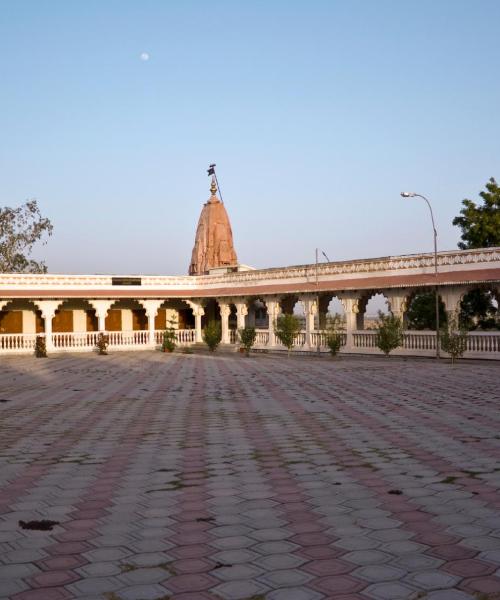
(77, 535)
(189, 538)
(193, 551)
(484, 585)
(320, 552)
(338, 584)
(311, 539)
(43, 594)
(83, 524)
(328, 566)
(452, 552)
(62, 562)
(305, 527)
(69, 548)
(192, 565)
(195, 596)
(469, 568)
(435, 539)
(89, 514)
(53, 578)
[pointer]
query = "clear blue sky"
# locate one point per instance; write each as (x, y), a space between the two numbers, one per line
(317, 114)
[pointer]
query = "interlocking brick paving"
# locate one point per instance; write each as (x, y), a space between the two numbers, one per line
(219, 476)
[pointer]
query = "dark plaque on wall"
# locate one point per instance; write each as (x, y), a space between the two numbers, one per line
(126, 281)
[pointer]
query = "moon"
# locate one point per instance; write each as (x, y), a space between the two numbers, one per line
(144, 56)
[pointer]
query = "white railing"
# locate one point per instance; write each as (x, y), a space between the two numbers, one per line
(416, 343)
(75, 341)
(261, 338)
(184, 337)
(17, 342)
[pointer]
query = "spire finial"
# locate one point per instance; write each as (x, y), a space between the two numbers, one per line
(213, 186)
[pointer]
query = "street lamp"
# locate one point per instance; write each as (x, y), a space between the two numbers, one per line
(414, 195)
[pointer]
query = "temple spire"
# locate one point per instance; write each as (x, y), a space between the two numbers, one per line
(213, 190)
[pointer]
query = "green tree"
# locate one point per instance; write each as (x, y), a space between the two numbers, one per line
(169, 336)
(286, 328)
(390, 332)
(333, 334)
(478, 310)
(480, 223)
(247, 338)
(454, 339)
(20, 229)
(212, 335)
(421, 313)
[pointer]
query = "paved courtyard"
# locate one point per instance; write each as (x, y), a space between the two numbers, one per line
(220, 477)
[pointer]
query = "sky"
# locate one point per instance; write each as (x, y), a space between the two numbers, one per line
(317, 114)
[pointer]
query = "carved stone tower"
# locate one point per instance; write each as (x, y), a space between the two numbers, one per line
(213, 245)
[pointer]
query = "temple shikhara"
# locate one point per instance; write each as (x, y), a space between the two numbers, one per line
(213, 246)
(71, 311)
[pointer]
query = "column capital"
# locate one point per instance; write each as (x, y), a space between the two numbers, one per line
(151, 306)
(101, 306)
(48, 307)
(241, 308)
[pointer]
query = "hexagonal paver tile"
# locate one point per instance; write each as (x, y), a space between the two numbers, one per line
(379, 573)
(239, 590)
(432, 580)
(53, 578)
(105, 554)
(414, 562)
(191, 582)
(393, 590)
(17, 571)
(338, 584)
(144, 592)
(237, 571)
(294, 593)
(469, 568)
(367, 557)
(286, 578)
(143, 576)
(279, 547)
(273, 562)
(328, 566)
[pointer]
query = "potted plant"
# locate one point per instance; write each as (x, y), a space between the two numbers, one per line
(40, 347)
(247, 339)
(102, 344)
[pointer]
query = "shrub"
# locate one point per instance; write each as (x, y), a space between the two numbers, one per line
(453, 339)
(332, 334)
(247, 338)
(169, 336)
(102, 344)
(390, 332)
(212, 335)
(286, 329)
(40, 347)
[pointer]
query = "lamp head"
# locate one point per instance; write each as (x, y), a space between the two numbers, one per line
(408, 194)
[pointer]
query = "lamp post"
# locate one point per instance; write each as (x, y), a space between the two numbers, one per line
(415, 195)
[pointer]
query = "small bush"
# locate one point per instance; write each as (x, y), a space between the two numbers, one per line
(212, 335)
(286, 328)
(102, 344)
(454, 339)
(247, 338)
(332, 333)
(169, 337)
(40, 347)
(390, 332)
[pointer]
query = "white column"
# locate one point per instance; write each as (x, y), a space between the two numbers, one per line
(310, 310)
(241, 313)
(273, 311)
(79, 321)
(101, 311)
(48, 309)
(351, 313)
(151, 307)
(225, 311)
(397, 305)
(198, 312)
(127, 319)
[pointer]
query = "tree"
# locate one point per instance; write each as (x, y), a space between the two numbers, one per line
(286, 328)
(421, 313)
(454, 339)
(480, 224)
(247, 338)
(390, 332)
(212, 335)
(333, 334)
(478, 309)
(20, 229)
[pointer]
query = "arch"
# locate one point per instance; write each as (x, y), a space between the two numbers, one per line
(257, 313)
(331, 306)
(74, 315)
(212, 311)
(126, 314)
(479, 307)
(176, 309)
(420, 311)
(21, 315)
(370, 303)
